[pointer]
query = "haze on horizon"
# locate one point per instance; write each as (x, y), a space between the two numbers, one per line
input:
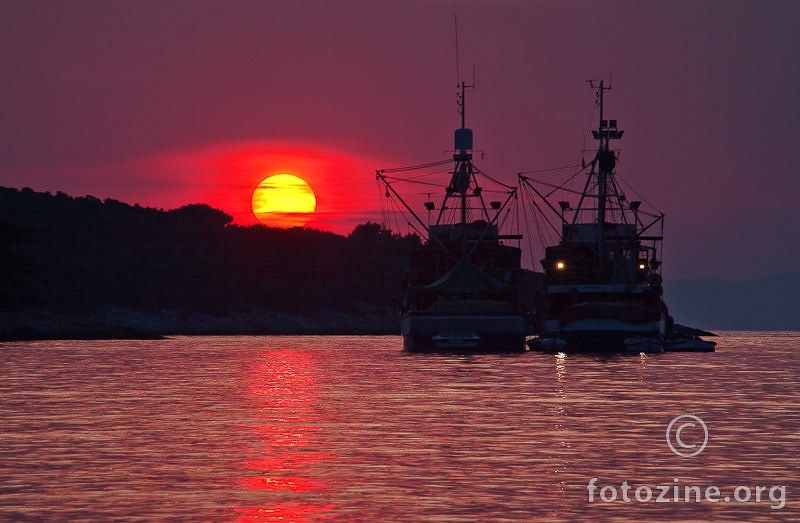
(170, 103)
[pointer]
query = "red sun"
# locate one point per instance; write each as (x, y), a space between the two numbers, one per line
(318, 187)
(283, 200)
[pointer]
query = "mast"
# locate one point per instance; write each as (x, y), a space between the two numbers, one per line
(462, 173)
(606, 161)
(601, 177)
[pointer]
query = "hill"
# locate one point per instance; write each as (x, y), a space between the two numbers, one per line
(66, 255)
(768, 304)
(82, 267)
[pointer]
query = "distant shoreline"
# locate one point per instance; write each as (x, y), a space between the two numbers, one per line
(33, 324)
(116, 323)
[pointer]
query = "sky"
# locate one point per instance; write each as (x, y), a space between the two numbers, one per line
(170, 103)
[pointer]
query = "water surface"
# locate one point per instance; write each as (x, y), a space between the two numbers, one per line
(354, 429)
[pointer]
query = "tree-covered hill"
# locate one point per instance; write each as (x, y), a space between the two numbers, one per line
(66, 254)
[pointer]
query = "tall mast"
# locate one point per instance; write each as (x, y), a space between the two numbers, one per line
(601, 189)
(462, 173)
(606, 160)
(601, 175)
(463, 105)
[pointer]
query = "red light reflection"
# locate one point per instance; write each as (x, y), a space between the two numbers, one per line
(287, 446)
(282, 512)
(294, 484)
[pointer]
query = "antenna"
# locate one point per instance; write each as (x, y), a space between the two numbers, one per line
(461, 85)
(458, 67)
(598, 86)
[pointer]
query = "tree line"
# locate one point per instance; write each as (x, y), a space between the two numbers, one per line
(69, 254)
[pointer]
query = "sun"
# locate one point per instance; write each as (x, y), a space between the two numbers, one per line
(284, 200)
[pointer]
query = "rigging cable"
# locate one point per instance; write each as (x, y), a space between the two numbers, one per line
(556, 187)
(629, 186)
(552, 169)
(415, 167)
(565, 182)
(509, 187)
(415, 181)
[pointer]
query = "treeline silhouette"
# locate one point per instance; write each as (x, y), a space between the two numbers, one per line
(68, 254)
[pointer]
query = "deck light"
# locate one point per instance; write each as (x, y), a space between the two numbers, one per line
(560, 265)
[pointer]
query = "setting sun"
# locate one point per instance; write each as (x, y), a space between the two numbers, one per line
(284, 200)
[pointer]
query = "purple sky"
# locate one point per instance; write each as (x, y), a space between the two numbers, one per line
(100, 97)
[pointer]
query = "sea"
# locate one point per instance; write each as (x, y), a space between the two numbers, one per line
(352, 428)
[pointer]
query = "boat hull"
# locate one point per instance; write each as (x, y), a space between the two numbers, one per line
(645, 345)
(598, 335)
(430, 332)
(689, 344)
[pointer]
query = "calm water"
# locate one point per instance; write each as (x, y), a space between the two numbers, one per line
(353, 429)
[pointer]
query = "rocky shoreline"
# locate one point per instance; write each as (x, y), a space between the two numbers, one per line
(28, 323)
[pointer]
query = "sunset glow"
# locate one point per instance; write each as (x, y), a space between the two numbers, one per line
(226, 177)
(187, 118)
(283, 200)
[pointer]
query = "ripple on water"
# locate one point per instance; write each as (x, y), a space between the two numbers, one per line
(352, 428)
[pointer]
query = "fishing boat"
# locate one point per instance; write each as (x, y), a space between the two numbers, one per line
(603, 273)
(644, 344)
(676, 343)
(464, 290)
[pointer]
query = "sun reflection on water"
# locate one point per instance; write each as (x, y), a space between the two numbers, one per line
(287, 444)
